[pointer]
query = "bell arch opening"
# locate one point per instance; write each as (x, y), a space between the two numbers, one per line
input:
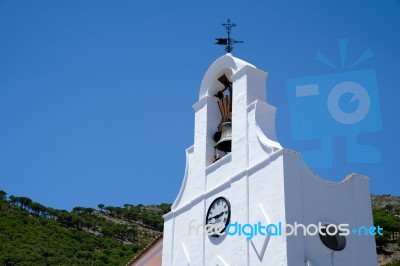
(219, 135)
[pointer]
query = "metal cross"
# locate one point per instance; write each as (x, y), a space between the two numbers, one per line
(227, 41)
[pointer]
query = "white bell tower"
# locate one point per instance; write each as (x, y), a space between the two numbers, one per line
(258, 182)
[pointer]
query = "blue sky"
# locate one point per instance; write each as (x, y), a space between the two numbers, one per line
(96, 96)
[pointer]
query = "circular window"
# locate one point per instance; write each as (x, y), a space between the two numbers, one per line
(331, 238)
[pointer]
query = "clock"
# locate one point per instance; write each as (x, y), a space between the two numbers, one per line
(218, 216)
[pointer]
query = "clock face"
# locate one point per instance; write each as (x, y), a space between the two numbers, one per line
(218, 216)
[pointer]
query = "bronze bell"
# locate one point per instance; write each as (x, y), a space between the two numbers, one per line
(225, 143)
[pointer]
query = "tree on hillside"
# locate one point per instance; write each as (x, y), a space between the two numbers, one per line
(78, 210)
(24, 202)
(3, 195)
(128, 206)
(51, 213)
(37, 208)
(88, 211)
(389, 223)
(165, 207)
(13, 200)
(101, 206)
(110, 210)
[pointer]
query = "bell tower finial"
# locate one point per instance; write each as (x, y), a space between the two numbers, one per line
(227, 41)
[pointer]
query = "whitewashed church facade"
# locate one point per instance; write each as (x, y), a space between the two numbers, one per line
(258, 183)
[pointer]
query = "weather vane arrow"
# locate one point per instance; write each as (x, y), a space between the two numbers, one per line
(227, 41)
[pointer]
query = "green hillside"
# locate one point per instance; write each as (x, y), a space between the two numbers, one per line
(386, 213)
(32, 234)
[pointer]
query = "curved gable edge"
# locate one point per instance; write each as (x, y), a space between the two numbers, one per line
(189, 151)
(222, 63)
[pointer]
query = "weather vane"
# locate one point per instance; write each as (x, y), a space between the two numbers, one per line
(227, 41)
